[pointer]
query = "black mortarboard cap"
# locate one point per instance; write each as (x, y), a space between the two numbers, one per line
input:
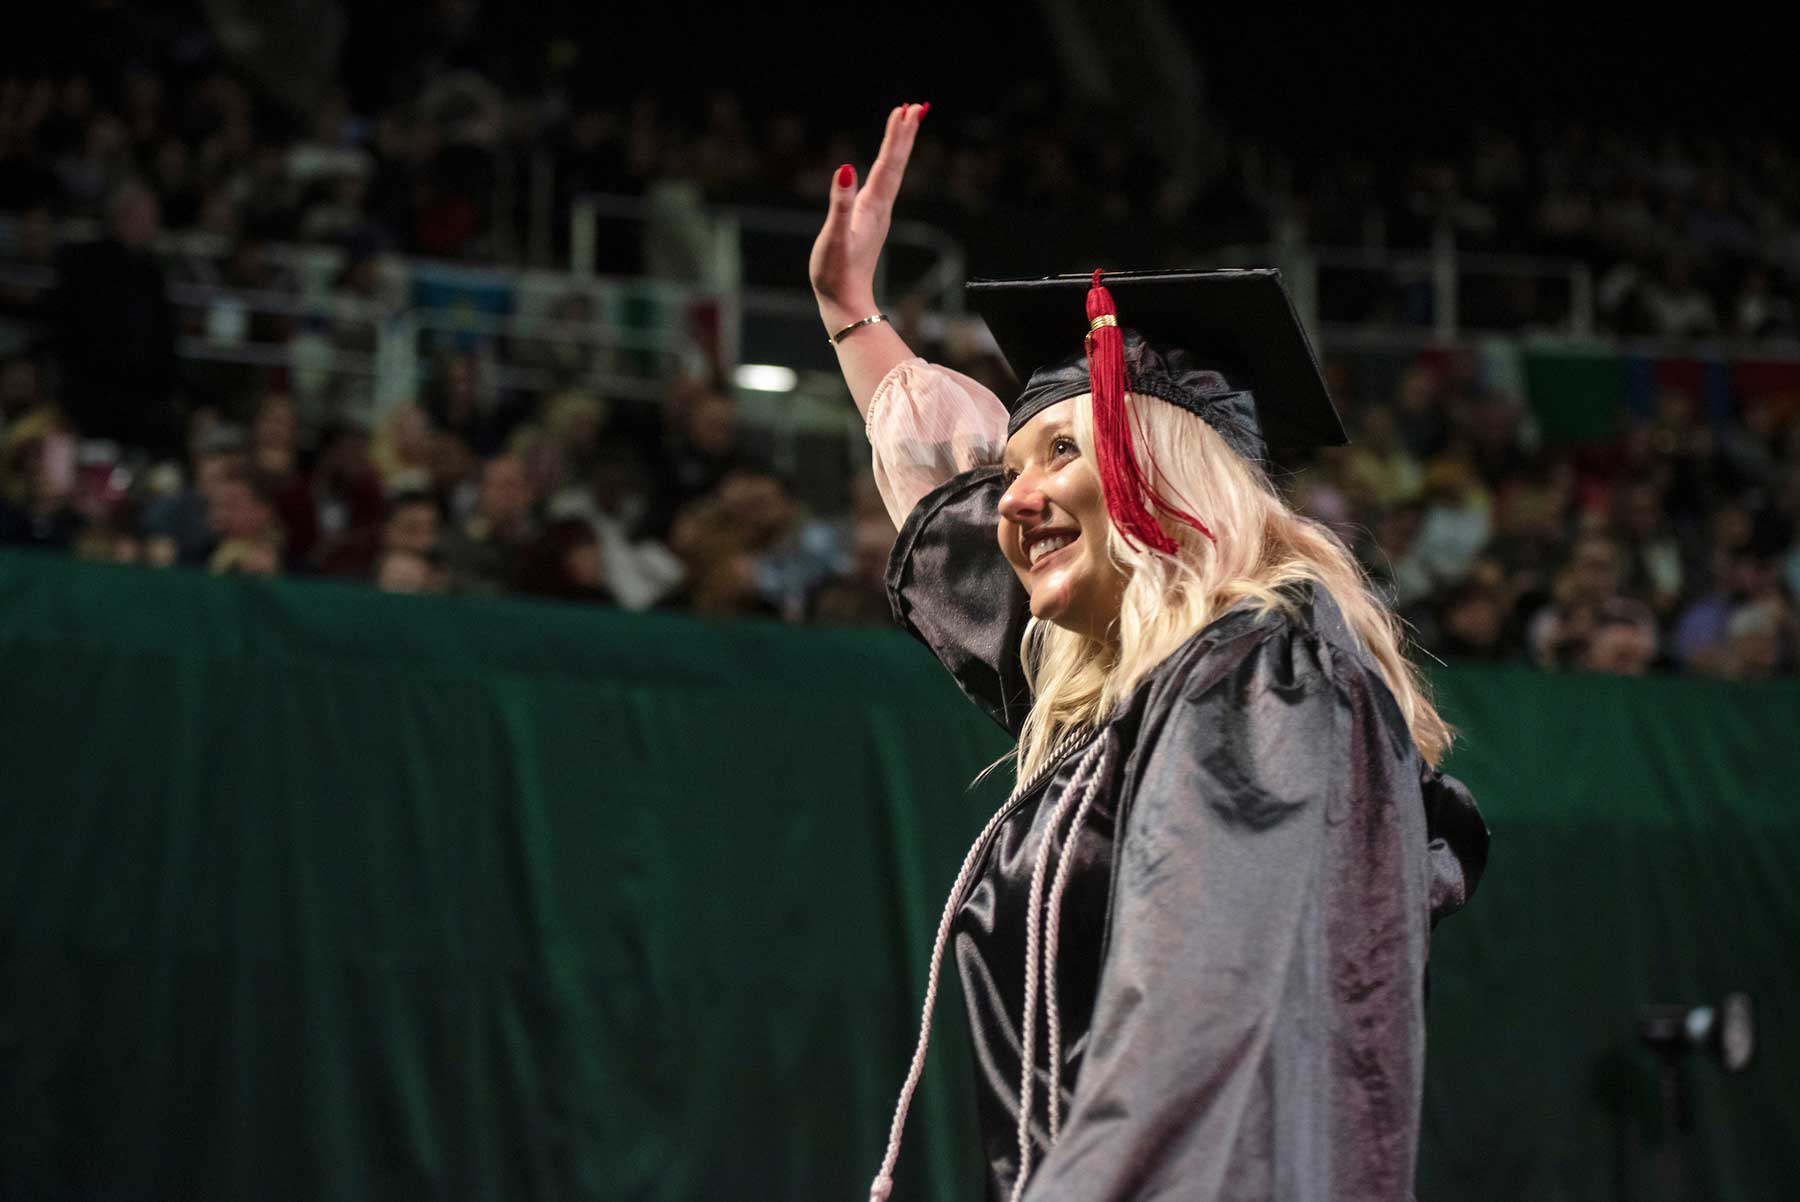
(1224, 344)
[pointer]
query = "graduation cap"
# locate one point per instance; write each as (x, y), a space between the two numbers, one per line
(1225, 345)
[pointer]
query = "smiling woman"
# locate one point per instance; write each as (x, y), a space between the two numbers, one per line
(1053, 526)
(1197, 930)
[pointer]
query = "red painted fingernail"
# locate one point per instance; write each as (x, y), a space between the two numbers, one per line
(846, 175)
(923, 109)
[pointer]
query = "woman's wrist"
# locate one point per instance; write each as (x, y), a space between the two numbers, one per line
(862, 323)
(836, 315)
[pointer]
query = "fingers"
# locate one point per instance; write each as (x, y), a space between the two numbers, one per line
(896, 148)
(896, 117)
(856, 220)
(843, 195)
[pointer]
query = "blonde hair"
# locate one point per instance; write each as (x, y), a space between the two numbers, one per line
(1263, 545)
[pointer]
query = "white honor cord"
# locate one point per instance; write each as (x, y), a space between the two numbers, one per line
(1051, 940)
(1034, 916)
(884, 1178)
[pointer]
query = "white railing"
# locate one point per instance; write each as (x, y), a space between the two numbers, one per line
(709, 242)
(1440, 274)
(351, 356)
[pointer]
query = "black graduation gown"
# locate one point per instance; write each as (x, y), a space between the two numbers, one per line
(1242, 967)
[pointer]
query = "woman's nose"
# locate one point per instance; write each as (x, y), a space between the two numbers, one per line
(1023, 499)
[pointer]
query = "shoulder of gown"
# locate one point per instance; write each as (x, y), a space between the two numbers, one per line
(1266, 854)
(1245, 642)
(1258, 1029)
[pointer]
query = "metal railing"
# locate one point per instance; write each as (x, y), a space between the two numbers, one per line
(1432, 285)
(716, 241)
(354, 356)
(347, 355)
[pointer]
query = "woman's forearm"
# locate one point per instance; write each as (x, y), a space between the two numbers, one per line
(865, 355)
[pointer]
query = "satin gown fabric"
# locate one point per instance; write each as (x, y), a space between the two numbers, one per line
(1244, 934)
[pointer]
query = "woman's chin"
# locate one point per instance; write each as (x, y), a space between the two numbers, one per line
(1066, 598)
(1050, 599)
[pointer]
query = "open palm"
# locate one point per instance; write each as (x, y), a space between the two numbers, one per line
(856, 225)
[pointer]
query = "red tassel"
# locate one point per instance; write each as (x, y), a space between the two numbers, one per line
(1121, 480)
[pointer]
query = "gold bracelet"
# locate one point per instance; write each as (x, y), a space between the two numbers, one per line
(854, 326)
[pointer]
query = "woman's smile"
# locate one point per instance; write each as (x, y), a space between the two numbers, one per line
(1045, 547)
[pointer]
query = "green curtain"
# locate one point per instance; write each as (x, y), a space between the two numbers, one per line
(308, 892)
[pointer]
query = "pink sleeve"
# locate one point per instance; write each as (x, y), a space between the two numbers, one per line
(927, 423)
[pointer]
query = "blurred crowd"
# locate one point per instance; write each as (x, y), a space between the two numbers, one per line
(1676, 546)
(1684, 237)
(1673, 547)
(224, 162)
(652, 508)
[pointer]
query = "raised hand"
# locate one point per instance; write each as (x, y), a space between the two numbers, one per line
(856, 225)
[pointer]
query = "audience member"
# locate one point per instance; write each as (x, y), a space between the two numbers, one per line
(857, 594)
(402, 449)
(247, 536)
(37, 480)
(20, 390)
(696, 459)
(563, 563)
(178, 527)
(720, 538)
(1740, 580)
(344, 486)
(1377, 470)
(118, 331)
(1654, 569)
(1621, 640)
(403, 571)
(412, 522)
(640, 571)
(483, 552)
(275, 458)
(1472, 625)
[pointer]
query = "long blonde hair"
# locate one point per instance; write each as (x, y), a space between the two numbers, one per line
(1263, 545)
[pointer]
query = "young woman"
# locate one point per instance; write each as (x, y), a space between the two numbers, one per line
(1193, 942)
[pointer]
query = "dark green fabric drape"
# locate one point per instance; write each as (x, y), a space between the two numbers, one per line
(307, 892)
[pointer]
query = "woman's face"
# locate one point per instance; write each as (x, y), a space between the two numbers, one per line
(1053, 525)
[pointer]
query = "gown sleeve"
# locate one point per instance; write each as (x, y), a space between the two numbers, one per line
(936, 436)
(927, 423)
(1258, 1031)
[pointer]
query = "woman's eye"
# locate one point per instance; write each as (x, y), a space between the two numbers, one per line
(1064, 446)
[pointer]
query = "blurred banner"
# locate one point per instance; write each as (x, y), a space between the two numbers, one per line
(311, 892)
